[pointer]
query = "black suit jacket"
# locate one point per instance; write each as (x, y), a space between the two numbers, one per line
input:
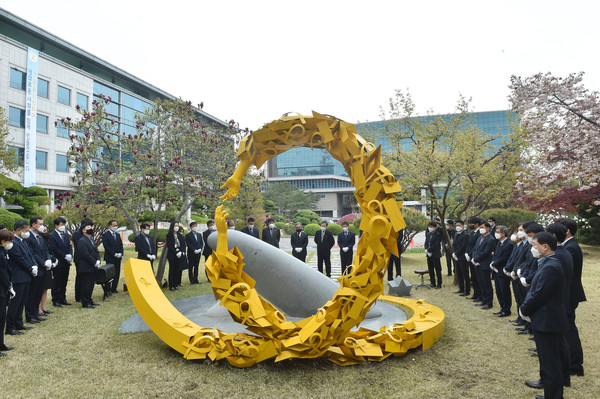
(271, 237)
(88, 255)
(76, 237)
(4, 275)
(112, 245)
(544, 302)
(299, 240)
(254, 231)
(482, 253)
(324, 244)
(39, 252)
(20, 261)
(142, 248)
(171, 250)
(59, 248)
(207, 251)
(194, 243)
(433, 242)
(473, 238)
(577, 294)
(346, 239)
(502, 254)
(564, 257)
(516, 252)
(461, 241)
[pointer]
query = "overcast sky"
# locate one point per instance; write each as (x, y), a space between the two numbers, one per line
(252, 61)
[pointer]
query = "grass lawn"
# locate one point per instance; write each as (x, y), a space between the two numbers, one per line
(77, 353)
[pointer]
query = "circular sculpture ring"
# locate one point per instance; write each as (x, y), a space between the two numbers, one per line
(328, 332)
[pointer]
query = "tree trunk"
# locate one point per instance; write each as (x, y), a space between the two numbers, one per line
(162, 262)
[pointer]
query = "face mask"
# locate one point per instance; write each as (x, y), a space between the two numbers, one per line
(459, 229)
(271, 226)
(298, 230)
(114, 229)
(251, 226)
(535, 252)
(213, 227)
(431, 229)
(8, 246)
(25, 235)
(521, 234)
(513, 238)
(196, 229)
(472, 226)
(345, 228)
(448, 227)
(147, 231)
(41, 229)
(323, 228)
(530, 240)
(497, 235)
(482, 231)
(176, 229)
(232, 228)
(88, 231)
(62, 229)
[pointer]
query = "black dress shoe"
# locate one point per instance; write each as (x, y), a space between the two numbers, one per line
(535, 384)
(515, 321)
(464, 294)
(2, 354)
(522, 332)
(66, 303)
(33, 321)
(532, 349)
(115, 291)
(5, 348)
(539, 396)
(534, 354)
(40, 318)
(439, 287)
(504, 314)
(13, 332)
(95, 304)
(24, 327)
(88, 307)
(497, 313)
(46, 312)
(577, 371)
(458, 292)
(57, 305)
(172, 289)
(521, 328)
(486, 307)
(531, 338)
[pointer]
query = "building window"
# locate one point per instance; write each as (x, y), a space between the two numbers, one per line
(62, 165)
(41, 123)
(41, 160)
(82, 101)
(16, 117)
(62, 130)
(19, 154)
(64, 95)
(42, 88)
(17, 79)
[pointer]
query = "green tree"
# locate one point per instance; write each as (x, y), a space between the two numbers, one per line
(249, 201)
(29, 199)
(289, 199)
(460, 166)
(8, 159)
(416, 222)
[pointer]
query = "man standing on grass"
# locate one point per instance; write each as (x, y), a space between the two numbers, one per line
(113, 251)
(433, 251)
(461, 241)
(482, 257)
(545, 305)
(60, 246)
(503, 251)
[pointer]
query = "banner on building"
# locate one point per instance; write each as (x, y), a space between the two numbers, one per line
(29, 161)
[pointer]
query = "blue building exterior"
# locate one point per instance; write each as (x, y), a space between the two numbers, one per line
(317, 171)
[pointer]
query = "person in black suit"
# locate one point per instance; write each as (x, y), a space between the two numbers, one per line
(346, 240)
(175, 244)
(448, 246)
(89, 260)
(6, 290)
(41, 256)
(577, 295)
(482, 257)
(474, 223)
(502, 253)
(144, 245)
(493, 227)
(195, 244)
(433, 251)
(325, 241)
(76, 237)
(396, 261)
(113, 251)
(22, 268)
(545, 306)
(271, 234)
(250, 229)
(520, 253)
(299, 242)
(461, 241)
(59, 244)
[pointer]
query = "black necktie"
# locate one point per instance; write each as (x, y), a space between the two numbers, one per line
(38, 240)
(65, 239)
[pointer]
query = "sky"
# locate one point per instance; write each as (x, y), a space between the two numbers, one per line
(253, 61)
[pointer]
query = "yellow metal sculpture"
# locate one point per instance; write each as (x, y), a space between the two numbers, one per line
(328, 332)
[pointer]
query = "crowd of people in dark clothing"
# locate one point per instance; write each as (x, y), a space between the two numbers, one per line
(542, 266)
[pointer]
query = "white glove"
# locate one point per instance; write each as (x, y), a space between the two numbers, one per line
(55, 264)
(473, 261)
(494, 269)
(97, 263)
(524, 282)
(12, 292)
(505, 272)
(48, 264)
(519, 272)
(197, 251)
(153, 257)
(179, 254)
(526, 318)
(345, 249)
(476, 264)
(34, 270)
(118, 255)
(514, 275)
(150, 256)
(298, 249)
(454, 257)
(467, 257)
(428, 253)
(68, 257)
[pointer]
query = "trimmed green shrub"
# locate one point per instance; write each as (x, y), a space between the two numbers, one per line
(311, 228)
(161, 237)
(8, 218)
(306, 216)
(279, 225)
(510, 217)
(334, 228)
(200, 219)
(289, 228)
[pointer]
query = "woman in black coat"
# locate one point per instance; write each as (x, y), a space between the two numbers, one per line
(176, 255)
(6, 292)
